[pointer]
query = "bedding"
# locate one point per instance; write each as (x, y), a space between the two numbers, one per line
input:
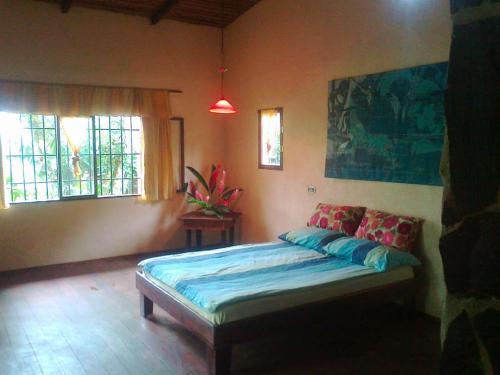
(389, 229)
(345, 219)
(311, 237)
(241, 281)
(370, 253)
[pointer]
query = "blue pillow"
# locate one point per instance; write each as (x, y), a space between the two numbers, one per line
(311, 237)
(370, 253)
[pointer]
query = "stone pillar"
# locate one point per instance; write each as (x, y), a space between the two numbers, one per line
(470, 242)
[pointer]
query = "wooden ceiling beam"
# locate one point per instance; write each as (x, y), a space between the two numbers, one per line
(65, 5)
(162, 10)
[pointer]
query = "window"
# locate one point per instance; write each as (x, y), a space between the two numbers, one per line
(271, 138)
(177, 134)
(56, 158)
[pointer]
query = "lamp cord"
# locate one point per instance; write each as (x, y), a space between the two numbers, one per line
(222, 68)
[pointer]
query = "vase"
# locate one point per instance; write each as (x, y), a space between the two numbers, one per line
(209, 212)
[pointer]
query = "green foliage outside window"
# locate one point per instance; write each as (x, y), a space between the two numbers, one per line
(40, 162)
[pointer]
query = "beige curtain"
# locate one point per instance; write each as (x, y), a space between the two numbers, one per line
(157, 160)
(76, 100)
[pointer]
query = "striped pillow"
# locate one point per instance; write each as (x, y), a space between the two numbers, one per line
(370, 253)
(311, 237)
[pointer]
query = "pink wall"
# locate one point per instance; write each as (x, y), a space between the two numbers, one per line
(283, 53)
(280, 53)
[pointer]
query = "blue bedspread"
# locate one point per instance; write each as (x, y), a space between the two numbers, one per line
(212, 279)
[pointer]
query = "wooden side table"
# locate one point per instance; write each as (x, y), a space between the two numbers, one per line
(200, 222)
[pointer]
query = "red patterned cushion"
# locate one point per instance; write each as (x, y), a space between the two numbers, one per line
(388, 229)
(340, 218)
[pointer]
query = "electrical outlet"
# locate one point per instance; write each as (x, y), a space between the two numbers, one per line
(311, 189)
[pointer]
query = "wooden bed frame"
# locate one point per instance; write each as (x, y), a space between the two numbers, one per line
(220, 339)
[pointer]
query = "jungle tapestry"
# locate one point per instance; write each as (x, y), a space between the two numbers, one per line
(387, 126)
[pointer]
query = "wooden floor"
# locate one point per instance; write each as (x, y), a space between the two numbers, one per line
(84, 319)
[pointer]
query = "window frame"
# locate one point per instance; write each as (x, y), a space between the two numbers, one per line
(182, 173)
(260, 164)
(61, 197)
(59, 165)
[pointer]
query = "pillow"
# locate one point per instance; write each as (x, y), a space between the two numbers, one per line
(388, 229)
(311, 237)
(340, 218)
(370, 253)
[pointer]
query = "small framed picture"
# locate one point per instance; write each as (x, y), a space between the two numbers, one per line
(271, 138)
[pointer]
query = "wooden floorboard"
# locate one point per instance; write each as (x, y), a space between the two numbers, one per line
(84, 319)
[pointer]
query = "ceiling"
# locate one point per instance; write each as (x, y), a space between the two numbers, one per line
(203, 12)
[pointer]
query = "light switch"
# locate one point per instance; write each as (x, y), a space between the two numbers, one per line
(311, 189)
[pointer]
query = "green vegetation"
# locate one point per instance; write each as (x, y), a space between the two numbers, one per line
(31, 158)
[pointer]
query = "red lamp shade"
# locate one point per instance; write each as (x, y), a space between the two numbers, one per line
(222, 106)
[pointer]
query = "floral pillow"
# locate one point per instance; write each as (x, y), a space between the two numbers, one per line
(340, 218)
(388, 229)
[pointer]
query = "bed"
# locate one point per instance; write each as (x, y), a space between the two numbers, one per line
(235, 294)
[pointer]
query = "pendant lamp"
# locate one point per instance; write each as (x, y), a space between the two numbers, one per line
(222, 105)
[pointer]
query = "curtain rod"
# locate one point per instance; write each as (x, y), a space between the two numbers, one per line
(174, 91)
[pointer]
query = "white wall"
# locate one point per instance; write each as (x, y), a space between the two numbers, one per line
(39, 43)
(283, 53)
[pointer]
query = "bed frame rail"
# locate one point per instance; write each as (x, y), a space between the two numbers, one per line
(219, 339)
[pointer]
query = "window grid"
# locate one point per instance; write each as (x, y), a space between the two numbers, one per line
(122, 159)
(33, 158)
(45, 159)
(31, 190)
(67, 154)
(116, 162)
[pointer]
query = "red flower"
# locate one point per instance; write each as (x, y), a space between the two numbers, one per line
(323, 223)
(388, 238)
(390, 222)
(198, 195)
(364, 221)
(349, 227)
(192, 188)
(379, 234)
(404, 228)
(370, 237)
(214, 177)
(345, 208)
(222, 183)
(233, 196)
(361, 232)
(314, 219)
(401, 243)
(326, 209)
(339, 215)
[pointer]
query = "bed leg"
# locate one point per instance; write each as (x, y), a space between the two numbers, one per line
(146, 305)
(218, 360)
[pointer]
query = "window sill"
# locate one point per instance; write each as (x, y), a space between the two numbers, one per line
(74, 200)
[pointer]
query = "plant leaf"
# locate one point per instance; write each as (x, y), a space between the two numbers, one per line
(228, 193)
(222, 208)
(199, 177)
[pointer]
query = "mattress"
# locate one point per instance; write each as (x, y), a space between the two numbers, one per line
(239, 282)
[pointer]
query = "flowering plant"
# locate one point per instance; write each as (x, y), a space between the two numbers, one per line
(219, 198)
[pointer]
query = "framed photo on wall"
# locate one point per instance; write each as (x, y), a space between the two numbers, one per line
(271, 138)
